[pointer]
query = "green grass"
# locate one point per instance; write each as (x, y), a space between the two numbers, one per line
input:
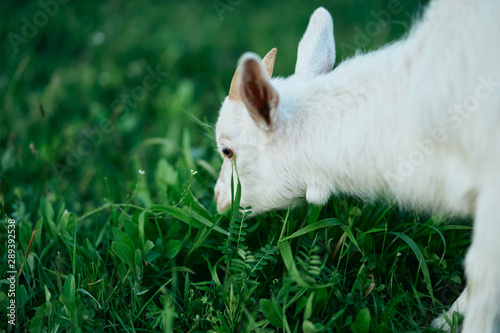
(119, 249)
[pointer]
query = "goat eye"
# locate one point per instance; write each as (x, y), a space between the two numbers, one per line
(228, 152)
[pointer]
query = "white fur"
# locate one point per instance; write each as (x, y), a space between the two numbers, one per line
(416, 120)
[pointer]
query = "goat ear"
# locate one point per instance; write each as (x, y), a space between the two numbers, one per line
(255, 89)
(316, 53)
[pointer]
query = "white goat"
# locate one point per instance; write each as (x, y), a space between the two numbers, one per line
(417, 120)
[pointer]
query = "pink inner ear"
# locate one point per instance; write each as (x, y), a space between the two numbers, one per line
(257, 93)
(260, 100)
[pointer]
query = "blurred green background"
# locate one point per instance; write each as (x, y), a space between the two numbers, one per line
(80, 115)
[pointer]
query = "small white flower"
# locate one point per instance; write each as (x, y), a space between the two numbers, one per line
(399, 254)
(142, 172)
(193, 172)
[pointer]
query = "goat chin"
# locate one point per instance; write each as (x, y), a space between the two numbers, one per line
(416, 120)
